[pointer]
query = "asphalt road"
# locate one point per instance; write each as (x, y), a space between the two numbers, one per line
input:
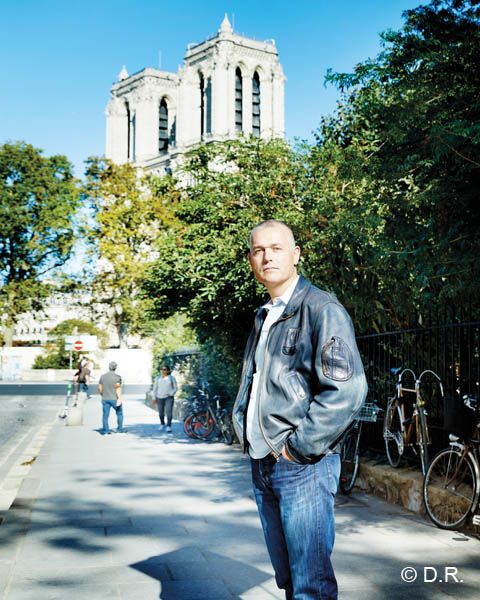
(57, 389)
(20, 417)
(25, 407)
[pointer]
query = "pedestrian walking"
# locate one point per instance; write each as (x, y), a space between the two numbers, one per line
(164, 390)
(110, 390)
(301, 387)
(83, 376)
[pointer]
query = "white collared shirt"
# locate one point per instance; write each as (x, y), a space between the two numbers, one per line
(258, 447)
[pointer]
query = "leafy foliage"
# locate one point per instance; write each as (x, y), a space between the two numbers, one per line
(203, 268)
(39, 199)
(384, 204)
(411, 118)
(129, 213)
(56, 356)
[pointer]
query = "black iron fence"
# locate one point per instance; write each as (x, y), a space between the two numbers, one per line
(450, 349)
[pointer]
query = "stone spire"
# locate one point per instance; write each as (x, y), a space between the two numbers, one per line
(123, 74)
(225, 27)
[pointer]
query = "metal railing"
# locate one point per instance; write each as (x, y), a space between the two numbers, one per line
(451, 349)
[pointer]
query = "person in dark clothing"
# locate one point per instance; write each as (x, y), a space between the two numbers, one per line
(84, 377)
(301, 386)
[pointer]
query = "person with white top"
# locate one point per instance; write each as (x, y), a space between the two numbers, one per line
(301, 387)
(164, 390)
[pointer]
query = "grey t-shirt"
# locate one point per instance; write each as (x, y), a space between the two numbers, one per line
(109, 381)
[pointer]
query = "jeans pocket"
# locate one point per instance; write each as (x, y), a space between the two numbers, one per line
(332, 463)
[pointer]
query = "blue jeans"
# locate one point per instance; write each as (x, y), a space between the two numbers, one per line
(106, 406)
(295, 503)
(83, 387)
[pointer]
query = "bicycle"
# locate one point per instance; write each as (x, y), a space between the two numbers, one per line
(400, 432)
(451, 486)
(204, 420)
(350, 449)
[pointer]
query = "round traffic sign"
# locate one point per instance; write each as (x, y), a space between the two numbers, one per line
(78, 345)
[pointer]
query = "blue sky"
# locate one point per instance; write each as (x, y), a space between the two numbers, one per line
(59, 58)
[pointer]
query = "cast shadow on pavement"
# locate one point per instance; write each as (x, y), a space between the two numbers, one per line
(214, 576)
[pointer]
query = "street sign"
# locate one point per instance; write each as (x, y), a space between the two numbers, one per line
(87, 343)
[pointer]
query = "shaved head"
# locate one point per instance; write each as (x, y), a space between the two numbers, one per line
(273, 256)
(271, 223)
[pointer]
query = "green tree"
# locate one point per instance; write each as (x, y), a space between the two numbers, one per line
(57, 357)
(383, 204)
(202, 268)
(411, 120)
(129, 213)
(39, 200)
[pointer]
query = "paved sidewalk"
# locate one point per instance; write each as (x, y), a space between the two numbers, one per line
(147, 515)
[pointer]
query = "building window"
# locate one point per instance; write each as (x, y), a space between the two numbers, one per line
(127, 106)
(202, 105)
(173, 132)
(130, 133)
(163, 127)
(238, 101)
(133, 136)
(208, 103)
(256, 105)
(205, 106)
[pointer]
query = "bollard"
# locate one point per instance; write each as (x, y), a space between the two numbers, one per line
(75, 414)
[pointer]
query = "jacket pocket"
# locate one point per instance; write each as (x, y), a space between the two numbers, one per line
(337, 360)
(297, 387)
(290, 345)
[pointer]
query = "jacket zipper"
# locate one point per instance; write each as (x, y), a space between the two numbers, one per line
(250, 363)
(264, 370)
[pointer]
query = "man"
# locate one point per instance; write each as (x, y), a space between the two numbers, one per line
(109, 388)
(164, 390)
(302, 384)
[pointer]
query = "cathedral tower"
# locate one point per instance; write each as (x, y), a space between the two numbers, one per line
(229, 86)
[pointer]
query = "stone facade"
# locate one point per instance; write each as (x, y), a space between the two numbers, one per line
(229, 86)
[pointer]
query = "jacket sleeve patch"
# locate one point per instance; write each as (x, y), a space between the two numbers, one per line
(337, 360)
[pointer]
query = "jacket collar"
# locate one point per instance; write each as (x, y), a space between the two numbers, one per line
(299, 293)
(301, 290)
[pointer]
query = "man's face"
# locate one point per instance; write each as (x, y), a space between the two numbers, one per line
(273, 257)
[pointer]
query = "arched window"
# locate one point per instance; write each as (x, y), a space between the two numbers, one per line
(202, 105)
(163, 127)
(256, 105)
(130, 133)
(205, 105)
(127, 106)
(133, 136)
(208, 106)
(238, 100)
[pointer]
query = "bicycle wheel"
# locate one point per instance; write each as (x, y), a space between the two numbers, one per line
(449, 488)
(349, 457)
(187, 426)
(393, 433)
(202, 425)
(423, 439)
(227, 430)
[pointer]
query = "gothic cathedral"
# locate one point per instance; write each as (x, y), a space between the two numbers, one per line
(229, 86)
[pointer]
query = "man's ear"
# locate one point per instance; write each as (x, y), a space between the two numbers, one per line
(297, 255)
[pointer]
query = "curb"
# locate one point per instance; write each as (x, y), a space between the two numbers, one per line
(403, 487)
